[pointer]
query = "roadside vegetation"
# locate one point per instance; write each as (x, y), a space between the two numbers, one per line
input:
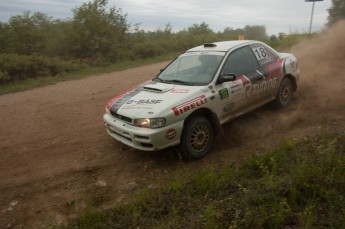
(36, 49)
(298, 185)
(76, 71)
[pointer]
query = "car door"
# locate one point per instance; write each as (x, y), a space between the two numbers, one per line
(239, 95)
(270, 66)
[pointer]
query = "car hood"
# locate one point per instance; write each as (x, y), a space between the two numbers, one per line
(153, 99)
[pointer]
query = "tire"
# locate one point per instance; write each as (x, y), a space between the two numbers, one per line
(285, 92)
(197, 138)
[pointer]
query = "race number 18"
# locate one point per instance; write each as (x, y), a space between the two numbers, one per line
(260, 52)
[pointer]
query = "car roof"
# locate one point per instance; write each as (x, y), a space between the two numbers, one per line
(222, 46)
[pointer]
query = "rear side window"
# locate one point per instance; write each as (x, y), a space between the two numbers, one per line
(241, 62)
(264, 54)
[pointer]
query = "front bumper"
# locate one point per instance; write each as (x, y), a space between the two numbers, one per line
(143, 138)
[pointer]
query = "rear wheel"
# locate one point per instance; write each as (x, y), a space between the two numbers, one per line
(197, 138)
(285, 93)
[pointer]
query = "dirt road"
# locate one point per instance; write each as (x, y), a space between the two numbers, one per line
(56, 157)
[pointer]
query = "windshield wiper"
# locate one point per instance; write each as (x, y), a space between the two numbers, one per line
(173, 81)
(160, 80)
(181, 82)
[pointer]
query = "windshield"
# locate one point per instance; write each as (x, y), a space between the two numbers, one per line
(196, 68)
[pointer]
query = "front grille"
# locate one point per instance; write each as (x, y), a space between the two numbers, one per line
(148, 145)
(120, 135)
(121, 117)
(141, 137)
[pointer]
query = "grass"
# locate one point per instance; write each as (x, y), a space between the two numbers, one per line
(81, 73)
(298, 185)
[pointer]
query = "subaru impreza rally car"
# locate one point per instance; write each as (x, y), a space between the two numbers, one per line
(189, 100)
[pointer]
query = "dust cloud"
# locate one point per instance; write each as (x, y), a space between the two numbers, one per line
(322, 64)
(318, 103)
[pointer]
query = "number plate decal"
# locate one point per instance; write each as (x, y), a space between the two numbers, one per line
(260, 52)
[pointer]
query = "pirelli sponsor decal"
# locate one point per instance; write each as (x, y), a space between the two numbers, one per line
(189, 105)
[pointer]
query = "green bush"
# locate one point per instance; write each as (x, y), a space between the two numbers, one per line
(15, 67)
(147, 50)
(4, 77)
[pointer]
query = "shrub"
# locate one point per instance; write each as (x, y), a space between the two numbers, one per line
(14, 67)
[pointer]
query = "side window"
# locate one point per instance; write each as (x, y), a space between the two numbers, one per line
(241, 62)
(264, 54)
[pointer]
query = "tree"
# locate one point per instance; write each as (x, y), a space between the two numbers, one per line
(201, 29)
(58, 37)
(231, 34)
(255, 32)
(336, 12)
(26, 34)
(3, 35)
(97, 32)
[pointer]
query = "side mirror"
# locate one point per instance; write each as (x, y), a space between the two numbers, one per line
(228, 77)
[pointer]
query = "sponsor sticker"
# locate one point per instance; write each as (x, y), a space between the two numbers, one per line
(170, 134)
(224, 93)
(189, 105)
(122, 98)
(257, 88)
(229, 107)
(235, 83)
(144, 101)
(182, 91)
(236, 91)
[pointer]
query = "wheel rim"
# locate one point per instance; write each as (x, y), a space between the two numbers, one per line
(199, 138)
(285, 92)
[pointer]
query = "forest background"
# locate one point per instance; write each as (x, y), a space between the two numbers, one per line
(34, 45)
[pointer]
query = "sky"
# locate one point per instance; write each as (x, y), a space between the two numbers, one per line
(287, 16)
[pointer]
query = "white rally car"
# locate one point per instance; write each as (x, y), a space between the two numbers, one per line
(197, 92)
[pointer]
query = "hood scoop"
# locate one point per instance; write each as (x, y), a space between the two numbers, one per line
(158, 88)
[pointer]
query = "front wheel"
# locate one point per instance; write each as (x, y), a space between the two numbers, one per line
(197, 138)
(285, 93)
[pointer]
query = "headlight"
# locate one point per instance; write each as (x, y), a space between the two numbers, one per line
(149, 122)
